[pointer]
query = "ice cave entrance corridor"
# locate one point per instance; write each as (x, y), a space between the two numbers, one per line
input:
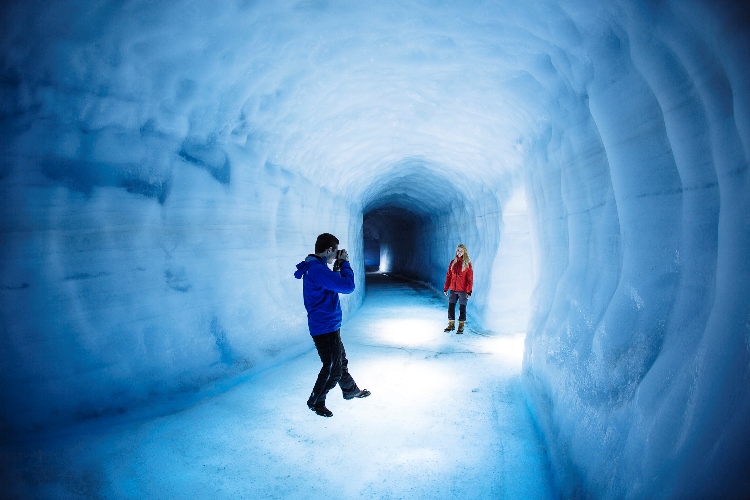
(445, 420)
(390, 240)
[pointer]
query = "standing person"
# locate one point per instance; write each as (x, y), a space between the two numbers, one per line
(320, 289)
(459, 280)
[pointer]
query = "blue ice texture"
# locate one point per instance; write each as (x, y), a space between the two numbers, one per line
(163, 166)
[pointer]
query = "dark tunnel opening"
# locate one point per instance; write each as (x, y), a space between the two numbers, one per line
(391, 237)
(415, 215)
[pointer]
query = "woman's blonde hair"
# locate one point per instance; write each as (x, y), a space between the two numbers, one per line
(466, 260)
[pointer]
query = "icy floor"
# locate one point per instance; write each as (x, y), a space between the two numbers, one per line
(445, 420)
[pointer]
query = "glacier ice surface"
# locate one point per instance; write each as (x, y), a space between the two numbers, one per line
(165, 164)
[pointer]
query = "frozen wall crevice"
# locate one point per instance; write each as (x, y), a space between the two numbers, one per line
(164, 166)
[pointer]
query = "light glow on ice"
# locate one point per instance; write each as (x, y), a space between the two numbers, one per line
(385, 261)
(418, 333)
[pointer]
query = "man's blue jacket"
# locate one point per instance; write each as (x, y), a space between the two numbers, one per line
(320, 289)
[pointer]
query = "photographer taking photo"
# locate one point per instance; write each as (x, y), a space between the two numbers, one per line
(320, 289)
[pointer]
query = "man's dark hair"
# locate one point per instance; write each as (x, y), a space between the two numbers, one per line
(325, 241)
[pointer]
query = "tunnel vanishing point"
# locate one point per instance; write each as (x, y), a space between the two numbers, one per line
(163, 166)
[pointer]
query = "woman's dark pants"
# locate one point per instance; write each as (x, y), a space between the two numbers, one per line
(334, 371)
(459, 297)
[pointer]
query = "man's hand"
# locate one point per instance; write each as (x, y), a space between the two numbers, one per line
(468, 294)
(445, 292)
(344, 255)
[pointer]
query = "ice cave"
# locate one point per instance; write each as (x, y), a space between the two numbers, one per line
(164, 165)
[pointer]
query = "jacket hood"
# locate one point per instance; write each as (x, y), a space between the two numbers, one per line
(303, 266)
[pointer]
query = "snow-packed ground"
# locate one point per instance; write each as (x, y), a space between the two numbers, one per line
(446, 419)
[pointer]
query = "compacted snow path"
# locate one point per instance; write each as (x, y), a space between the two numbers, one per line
(445, 420)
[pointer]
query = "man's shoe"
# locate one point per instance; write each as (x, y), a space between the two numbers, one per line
(460, 327)
(361, 394)
(451, 326)
(321, 410)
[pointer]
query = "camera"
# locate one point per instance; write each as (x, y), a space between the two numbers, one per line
(339, 260)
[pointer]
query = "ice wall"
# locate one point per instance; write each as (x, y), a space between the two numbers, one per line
(638, 347)
(164, 166)
(112, 299)
(144, 254)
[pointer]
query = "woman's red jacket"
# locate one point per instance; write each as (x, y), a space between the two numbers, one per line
(459, 279)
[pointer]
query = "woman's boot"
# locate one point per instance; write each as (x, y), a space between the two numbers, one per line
(451, 326)
(460, 327)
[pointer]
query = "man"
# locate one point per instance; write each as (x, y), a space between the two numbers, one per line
(320, 289)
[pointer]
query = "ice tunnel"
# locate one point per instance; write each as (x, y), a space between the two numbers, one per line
(163, 166)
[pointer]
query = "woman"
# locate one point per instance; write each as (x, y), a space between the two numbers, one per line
(459, 280)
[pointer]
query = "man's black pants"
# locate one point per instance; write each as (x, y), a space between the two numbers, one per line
(334, 371)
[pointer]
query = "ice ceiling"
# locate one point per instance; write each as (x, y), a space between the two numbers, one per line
(165, 164)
